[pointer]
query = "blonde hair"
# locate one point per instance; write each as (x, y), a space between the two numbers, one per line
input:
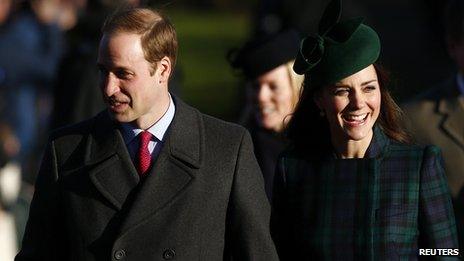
(296, 82)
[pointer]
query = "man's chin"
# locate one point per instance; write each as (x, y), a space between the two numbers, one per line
(119, 117)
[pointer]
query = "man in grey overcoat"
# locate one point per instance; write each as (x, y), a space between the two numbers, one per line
(437, 115)
(150, 178)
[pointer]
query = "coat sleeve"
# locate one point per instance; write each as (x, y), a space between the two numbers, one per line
(247, 232)
(436, 218)
(42, 239)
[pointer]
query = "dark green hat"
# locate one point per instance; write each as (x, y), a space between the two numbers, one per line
(265, 52)
(339, 50)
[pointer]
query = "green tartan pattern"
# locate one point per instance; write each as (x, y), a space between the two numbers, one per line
(383, 207)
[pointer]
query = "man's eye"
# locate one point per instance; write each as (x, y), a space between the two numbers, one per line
(123, 74)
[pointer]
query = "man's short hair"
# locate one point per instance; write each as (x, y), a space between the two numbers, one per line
(158, 36)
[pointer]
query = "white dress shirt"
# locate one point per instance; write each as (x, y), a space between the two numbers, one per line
(158, 130)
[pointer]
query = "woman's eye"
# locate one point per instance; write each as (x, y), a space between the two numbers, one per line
(273, 87)
(341, 92)
(370, 88)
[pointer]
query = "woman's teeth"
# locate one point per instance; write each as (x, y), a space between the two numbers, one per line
(267, 111)
(357, 118)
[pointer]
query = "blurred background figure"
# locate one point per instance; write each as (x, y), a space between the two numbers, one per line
(437, 115)
(30, 48)
(272, 93)
(13, 210)
(77, 82)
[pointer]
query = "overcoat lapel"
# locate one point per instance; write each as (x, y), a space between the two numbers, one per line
(452, 110)
(111, 169)
(173, 171)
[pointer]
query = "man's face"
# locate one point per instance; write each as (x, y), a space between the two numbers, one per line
(131, 88)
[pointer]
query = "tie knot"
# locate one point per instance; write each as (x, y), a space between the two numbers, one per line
(145, 137)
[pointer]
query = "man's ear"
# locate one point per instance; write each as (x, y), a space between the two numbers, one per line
(164, 69)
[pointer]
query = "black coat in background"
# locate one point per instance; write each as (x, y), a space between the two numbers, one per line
(268, 146)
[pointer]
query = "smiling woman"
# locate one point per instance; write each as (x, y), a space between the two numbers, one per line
(373, 89)
(352, 106)
(351, 186)
(267, 61)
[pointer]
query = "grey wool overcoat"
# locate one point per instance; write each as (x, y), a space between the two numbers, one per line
(204, 198)
(437, 117)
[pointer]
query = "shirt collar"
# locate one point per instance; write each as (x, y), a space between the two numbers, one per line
(158, 129)
(460, 82)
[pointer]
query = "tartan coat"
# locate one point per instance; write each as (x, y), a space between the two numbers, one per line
(381, 207)
(204, 198)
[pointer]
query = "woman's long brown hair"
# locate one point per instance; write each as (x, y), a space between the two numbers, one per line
(310, 133)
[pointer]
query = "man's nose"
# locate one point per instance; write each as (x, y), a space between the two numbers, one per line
(110, 85)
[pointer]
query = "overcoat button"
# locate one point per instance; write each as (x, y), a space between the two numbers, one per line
(169, 254)
(119, 254)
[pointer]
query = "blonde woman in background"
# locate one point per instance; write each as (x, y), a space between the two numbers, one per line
(266, 62)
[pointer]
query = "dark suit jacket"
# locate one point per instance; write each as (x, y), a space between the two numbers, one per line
(203, 200)
(437, 117)
(382, 207)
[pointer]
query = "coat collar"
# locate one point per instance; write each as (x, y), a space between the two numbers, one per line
(186, 136)
(451, 107)
(379, 144)
(174, 170)
(377, 148)
(114, 175)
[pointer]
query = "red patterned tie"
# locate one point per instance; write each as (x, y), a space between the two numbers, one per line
(143, 155)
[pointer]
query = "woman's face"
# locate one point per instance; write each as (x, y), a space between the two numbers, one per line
(274, 98)
(352, 105)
